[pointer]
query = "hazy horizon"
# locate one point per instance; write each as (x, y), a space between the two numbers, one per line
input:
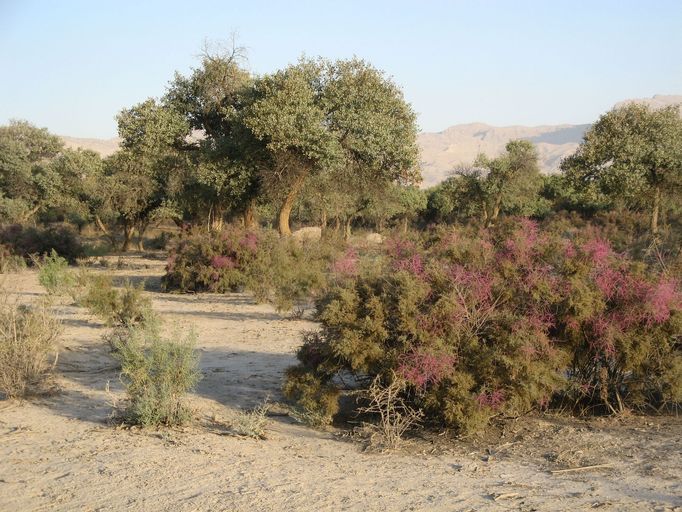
(71, 66)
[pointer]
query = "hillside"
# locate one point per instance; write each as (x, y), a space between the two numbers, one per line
(459, 144)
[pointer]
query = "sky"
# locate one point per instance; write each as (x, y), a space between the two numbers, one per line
(71, 66)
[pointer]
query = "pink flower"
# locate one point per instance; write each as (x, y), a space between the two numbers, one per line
(222, 262)
(347, 265)
(598, 250)
(422, 368)
(413, 265)
(250, 241)
(493, 399)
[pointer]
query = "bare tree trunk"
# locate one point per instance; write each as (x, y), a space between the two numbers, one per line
(289, 200)
(347, 227)
(141, 229)
(215, 218)
(337, 224)
(323, 220)
(656, 209)
(250, 214)
(405, 224)
(380, 225)
(105, 231)
(128, 230)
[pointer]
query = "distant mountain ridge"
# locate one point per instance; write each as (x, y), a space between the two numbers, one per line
(441, 152)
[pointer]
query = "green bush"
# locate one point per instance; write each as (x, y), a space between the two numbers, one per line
(54, 274)
(27, 241)
(125, 308)
(496, 322)
(283, 272)
(28, 337)
(157, 373)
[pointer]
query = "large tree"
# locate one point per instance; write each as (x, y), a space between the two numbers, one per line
(344, 118)
(632, 152)
(225, 156)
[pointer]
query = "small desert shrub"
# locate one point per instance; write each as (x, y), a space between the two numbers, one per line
(54, 274)
(26, 241)
(126, 308)
(496, 322)
(157, 373)
(252, 423)
(281, 271)
(10, 262)
(28, 336)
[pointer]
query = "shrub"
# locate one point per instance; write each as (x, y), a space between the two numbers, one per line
(54, 274)
(252, 423)
(281, 271)
(202, 261)
(26, 241)
(124, 308)
(621, 323)
(157, 373)
(28, 338)
(487, 323)
(10, 262)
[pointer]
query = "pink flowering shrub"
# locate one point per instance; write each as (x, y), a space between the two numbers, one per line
(497, 322)
(281, 271)
(200, 261)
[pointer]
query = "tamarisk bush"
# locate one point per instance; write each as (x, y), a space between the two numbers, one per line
(281, 271)
(495, 322)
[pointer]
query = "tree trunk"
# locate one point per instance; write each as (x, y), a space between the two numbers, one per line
(289, 200)
(380, 225)
(656, 209)
(404, 224)
(323, 220)
(215, 218)
(250, 214)
(496, 210)
(141, 229)
(105, 231)
(337, 224)
(347, 228)
(128, 231)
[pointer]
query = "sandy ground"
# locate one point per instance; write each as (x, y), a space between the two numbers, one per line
(59, 452)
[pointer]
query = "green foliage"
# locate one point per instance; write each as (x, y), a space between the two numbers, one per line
(281, 271)
(633, 154)
(494, 322)
(28, 337)
(157, 373)
(343, 118)
(28, 241)
(54, 274)
(128, 307)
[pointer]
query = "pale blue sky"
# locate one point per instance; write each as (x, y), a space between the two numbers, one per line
(72, 65)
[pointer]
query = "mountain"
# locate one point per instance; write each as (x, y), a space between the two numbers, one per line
(441, 152)
(104, 147)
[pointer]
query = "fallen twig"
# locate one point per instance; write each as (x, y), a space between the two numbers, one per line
(582, 468)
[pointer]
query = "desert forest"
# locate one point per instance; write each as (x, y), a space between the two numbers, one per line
(274, 291)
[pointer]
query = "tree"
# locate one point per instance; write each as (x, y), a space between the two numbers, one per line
(226, 157)
(343, 118)
(75, 187)
(632, 152)
(26, 179)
